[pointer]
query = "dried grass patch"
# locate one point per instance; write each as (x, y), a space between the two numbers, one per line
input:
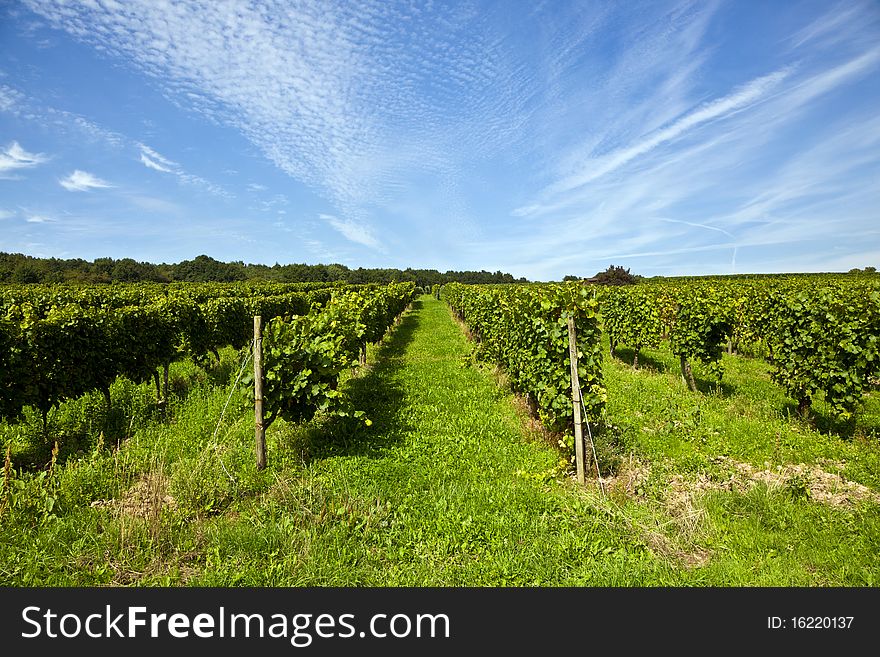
(145, 499)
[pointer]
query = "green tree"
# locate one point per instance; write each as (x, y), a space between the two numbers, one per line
(615, 275)
(26, 272)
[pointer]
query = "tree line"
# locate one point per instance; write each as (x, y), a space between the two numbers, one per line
(19, 268)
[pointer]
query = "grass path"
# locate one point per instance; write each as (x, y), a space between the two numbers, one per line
(442, 489)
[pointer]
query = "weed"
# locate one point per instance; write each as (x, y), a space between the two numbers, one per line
(798, 486)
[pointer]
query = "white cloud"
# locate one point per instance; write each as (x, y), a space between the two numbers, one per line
(6, 214)
(82, 181)
(829, 80)
(153, 160)
(147, 162)
(25, 107)
(841, 24)
(722, 190)
(14, 157)
(39, 219)
(352, 231)
(333, 94)
(255, 187)
(736, 101)
(95, 131)
(155, 157)
(10, 99)
(20, 105)
(158, 162)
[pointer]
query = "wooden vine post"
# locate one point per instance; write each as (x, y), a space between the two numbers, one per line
(576, 403)
(259, 429)
(687, 373)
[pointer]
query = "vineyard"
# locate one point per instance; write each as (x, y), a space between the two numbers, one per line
(721, 415)
(821, 336)
(62, 342)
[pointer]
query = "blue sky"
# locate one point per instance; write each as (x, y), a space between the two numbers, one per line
(538, 138)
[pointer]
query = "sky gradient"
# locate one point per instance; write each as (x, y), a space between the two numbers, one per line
(537, 138)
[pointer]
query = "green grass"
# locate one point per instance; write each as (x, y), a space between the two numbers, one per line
(749, 419)
(449, 486)
(776, 534)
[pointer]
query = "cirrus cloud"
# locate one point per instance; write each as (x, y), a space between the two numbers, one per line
(83, 181)
(352, 231)
(14, 157)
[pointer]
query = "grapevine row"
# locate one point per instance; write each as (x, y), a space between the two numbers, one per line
(304, 355)
(821, 335)
(524, 329)
(61, 342)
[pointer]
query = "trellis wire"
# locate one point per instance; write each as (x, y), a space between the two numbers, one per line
(592, 444)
